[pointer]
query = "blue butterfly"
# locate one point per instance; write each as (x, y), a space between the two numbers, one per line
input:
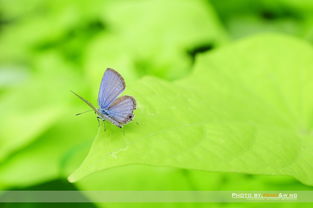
(119, 111)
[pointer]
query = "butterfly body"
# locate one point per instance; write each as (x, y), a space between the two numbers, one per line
(117, 110)
(106, 117)
(103, 111)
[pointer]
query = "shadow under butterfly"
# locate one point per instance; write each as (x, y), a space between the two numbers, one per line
(119, 111)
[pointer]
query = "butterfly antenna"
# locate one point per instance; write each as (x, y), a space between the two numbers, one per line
(88, 103)
(78, 114)
(98, 119)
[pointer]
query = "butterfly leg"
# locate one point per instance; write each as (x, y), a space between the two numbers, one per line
(98, 119)
(104, 128)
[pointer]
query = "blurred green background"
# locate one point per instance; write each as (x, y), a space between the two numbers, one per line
(48, 48)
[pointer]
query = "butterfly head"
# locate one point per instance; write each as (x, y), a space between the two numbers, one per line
(104, 111)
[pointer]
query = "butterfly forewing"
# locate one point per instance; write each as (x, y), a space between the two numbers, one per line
(121, 110)
(112, 85)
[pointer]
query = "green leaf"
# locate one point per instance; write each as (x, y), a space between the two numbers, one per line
(43, 159)
(29, 109)
(66, 18)
(246, 108)
(304, 6)
(158, 44)
(138, 178)
(38, 125)
(245, 17)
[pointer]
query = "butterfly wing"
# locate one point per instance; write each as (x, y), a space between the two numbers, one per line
(112, 85)
(121, 110)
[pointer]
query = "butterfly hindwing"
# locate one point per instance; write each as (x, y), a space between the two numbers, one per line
(121, 110)
(112, 85)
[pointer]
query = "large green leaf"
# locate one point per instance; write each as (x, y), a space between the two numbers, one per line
(246, 108)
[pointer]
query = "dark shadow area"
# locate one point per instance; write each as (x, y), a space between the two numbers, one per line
(271, 12)
(4, 22)
(193, 52)
(49, 186)
(268, 15)
(249, 176)
(278, 13)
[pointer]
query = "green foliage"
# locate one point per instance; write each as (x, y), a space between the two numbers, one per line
(243, 18)
(140, 46)
(39, 126)
(206, 103)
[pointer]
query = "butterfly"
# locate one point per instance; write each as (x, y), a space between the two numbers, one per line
(118, 111)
